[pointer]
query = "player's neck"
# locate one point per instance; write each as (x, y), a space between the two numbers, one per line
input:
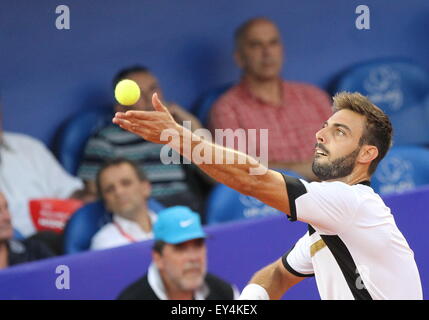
(355, 177)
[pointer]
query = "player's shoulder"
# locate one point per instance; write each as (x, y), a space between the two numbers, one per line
(338, 188)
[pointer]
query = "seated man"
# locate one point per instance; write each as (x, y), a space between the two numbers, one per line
(124, 190)
(14, 251)
(172, 184)
(291, 111)
(28, 170)
(178, 269)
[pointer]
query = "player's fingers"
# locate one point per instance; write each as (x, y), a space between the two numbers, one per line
(157, 105)
(140, 115)
(123, 123)
(119, 115)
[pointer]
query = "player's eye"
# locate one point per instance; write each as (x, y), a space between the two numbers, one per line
(340, 132)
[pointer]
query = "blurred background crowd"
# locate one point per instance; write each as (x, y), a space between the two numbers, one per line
(71, 181)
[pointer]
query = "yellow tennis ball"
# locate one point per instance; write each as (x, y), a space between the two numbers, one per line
(127, 92)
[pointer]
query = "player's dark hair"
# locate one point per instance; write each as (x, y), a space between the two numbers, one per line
(124, 73)
(116, 162)
(378, 129)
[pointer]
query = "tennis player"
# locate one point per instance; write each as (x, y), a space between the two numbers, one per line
(353, 246)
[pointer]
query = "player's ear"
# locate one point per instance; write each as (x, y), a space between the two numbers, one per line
(368, 153)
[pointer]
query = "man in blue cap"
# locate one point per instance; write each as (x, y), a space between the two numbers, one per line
(178, 269)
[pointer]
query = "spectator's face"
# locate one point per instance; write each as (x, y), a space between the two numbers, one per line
(6, 230)
(122, 190)
(338, 149)
(148, 86)
(260, 53)
(183, 266)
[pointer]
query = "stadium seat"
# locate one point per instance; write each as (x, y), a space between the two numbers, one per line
(72, 138)
(399, 87)
(85, 223)
(225, 204)
(17, 235)
(403, 168)
(205, 103)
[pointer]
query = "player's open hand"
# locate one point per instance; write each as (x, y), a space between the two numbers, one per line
(148, 124)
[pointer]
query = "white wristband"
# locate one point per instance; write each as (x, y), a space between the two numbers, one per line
(254, 291)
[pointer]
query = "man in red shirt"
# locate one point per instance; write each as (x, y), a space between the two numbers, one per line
(291, 111)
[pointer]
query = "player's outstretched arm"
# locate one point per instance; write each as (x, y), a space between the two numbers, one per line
(271, 282)
(159, 126)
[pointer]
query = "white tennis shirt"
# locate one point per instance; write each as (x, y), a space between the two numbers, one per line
(353, 246)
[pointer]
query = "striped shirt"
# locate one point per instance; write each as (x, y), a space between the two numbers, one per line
(172, 184)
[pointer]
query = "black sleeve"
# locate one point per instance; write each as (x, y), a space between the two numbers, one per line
(295, 188)
(289, 268)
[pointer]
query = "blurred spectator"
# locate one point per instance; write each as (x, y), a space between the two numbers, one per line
(124, 190)
(291, 111)
(15, 251)
(172, 184)
(28, 170)
(178, 268)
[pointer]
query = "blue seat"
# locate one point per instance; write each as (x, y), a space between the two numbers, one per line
(225, 204)
(403, 168)
(399, 87)
(17, 235)
(72, 138)
(85, 223)
(205, 103)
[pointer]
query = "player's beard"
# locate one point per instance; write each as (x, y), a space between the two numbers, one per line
(338, 168)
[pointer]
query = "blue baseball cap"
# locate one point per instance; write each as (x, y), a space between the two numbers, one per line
(178, 224)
